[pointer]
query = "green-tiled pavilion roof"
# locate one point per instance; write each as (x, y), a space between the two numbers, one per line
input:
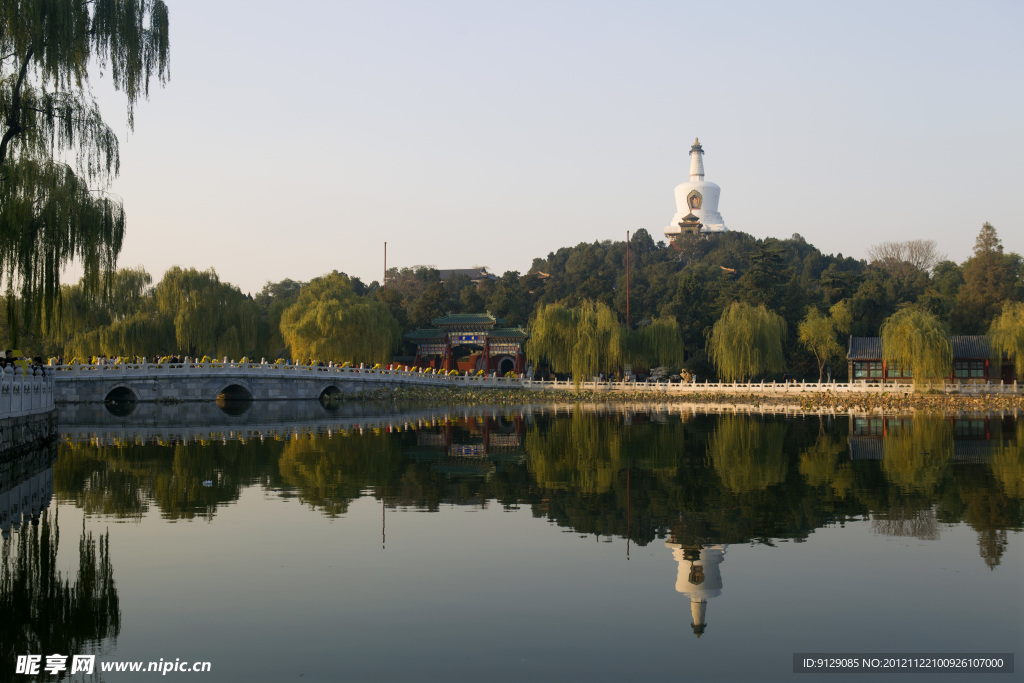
(507, 333)
(467, 319)
(427, 333)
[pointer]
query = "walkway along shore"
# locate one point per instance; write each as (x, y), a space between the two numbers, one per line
(363, 383)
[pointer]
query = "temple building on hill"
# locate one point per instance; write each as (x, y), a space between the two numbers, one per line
(696, 202)
(469, 341)
(475, 275)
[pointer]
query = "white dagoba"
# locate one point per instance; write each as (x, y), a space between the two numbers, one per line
(699, 579)
(696, 199)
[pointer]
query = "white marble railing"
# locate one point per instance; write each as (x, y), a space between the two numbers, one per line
(859, 387)
(22, 394)
(106, 371)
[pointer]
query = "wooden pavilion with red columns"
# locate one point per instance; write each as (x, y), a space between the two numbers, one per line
(470, 341)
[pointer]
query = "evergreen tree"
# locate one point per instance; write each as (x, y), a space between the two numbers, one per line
(989, 280)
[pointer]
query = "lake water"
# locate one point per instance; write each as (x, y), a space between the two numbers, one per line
(288, 542)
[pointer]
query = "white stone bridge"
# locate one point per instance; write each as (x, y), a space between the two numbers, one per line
(194, 381)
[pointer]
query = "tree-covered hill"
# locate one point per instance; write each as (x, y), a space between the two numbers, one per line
(691, 282)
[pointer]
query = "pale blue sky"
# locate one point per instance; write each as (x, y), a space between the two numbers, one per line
(296, 138)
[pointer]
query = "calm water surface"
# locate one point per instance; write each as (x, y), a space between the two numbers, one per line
(285, 542)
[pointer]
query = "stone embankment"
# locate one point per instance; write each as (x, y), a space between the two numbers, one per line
(839, 402)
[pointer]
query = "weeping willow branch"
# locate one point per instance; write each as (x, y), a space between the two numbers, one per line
(918, 342)
(1006, 334)
(659, 343)
(54, 142)
(747, 341)
(331, 322)
(583, 341)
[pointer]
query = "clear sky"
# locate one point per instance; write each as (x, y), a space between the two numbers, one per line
(296, 138)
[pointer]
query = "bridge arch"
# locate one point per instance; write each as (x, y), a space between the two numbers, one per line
(236, 391)
(328, 391)
(121, 393)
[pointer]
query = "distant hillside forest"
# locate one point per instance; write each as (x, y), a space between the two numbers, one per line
(690, 284)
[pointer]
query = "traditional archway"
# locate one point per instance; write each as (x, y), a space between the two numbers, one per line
(506, 364)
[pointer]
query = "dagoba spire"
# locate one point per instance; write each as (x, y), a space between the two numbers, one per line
(696, 201)
(696, 162)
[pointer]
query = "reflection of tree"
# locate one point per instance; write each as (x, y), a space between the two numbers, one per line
(1008, 464)
(917, 455)
(990, 512)
(820, 465)
(122, 480)
(329, 473)
(41, 611)
(748, 454)
(581, 453)
(709, 479)
(82, 475)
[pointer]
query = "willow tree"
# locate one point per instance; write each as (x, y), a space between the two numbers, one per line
(57, 155)
(918, 342)
(84, 311)
(1006, 334)
(552, 337)
(747, 341)
(329, 321)
(209, 316)
(583, 340)
(656, 344)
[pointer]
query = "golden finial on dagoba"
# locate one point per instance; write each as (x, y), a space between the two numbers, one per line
(696, 141)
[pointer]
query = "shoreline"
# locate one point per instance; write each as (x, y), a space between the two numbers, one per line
(809, 403)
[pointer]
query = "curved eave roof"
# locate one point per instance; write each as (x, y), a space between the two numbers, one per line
(865, 348)
(466, 319)
(507, 333)
(427, 334)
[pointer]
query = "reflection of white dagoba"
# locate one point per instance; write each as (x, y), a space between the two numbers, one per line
(696, 201)
(699, 578)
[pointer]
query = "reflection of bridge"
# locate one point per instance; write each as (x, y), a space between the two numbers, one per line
(203, 422)
(26, 487)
